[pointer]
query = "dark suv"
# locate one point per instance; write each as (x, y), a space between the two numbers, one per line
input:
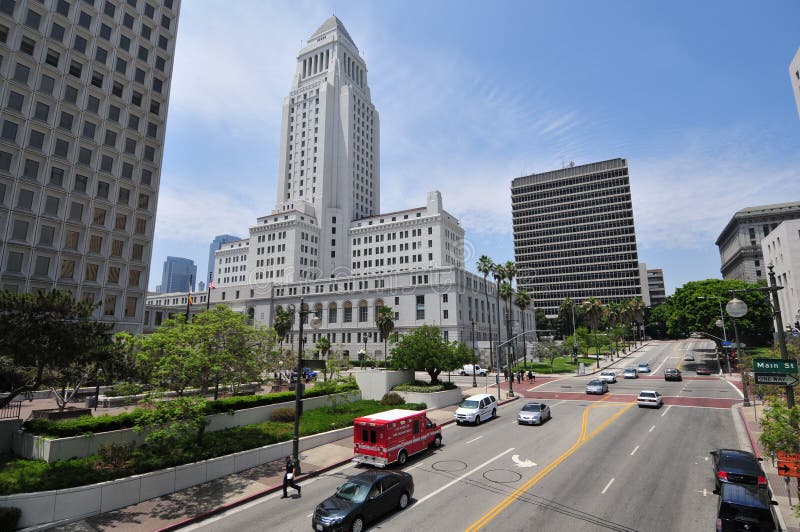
(738, 467)
(744, 508)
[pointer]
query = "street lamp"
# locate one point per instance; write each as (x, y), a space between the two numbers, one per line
(737, 308)
(574, 335)
(315, 323)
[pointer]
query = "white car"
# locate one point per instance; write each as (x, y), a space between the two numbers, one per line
(475, 409)
(630, 373)
(689, 356)
(643, 367)
(649, 398)
(608, 376)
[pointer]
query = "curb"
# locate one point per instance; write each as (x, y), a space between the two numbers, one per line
(753, 443)
(244, 500)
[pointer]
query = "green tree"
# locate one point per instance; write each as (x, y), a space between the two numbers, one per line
(507, 294)
(499, 275)
(592, 310)
(523, 300)
(173, 356)
(637, 307)
(424, 349)
(613, 315)
(45, 338)
(177, 424)
(282, 325)
(565, 313)
(779, 424)
(384, 320)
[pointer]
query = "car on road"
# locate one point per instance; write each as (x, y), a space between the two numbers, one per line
(597, 386)
(737, 467)
(608, 376)
(744, 508)
(469, 369)
(362, 499)
(476, 408)
(534, 414)
(702, 370)
(672, 374)
(643, 367)
(649, 398)
(630, 373)
(308, 374)
(689, 356)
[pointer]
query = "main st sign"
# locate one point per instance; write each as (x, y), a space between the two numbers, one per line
(774, 365)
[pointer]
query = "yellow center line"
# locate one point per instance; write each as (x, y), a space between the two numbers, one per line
(494, 512)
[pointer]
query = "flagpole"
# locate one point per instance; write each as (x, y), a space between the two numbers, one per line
(208, 297)
(189, 299)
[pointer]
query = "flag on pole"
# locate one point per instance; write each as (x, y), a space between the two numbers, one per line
(211, 285)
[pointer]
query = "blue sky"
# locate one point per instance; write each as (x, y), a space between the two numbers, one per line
(696, 95)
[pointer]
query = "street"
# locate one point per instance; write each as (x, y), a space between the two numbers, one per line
(601, 463)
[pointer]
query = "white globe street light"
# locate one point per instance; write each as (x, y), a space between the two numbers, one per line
(737, 308)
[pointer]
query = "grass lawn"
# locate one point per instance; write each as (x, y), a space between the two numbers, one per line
(26, 476)
(560, 365)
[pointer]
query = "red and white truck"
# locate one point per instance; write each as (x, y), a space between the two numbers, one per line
(393, 436)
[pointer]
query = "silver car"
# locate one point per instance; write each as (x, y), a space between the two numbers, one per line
(689, 356)
(597, 386)
(533, 414)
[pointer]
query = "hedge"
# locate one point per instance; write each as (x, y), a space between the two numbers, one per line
(424, 387)
(93, 424)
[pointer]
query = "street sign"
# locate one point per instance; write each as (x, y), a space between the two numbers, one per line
(725, 344)
(774, 365)
(775, 379)
(783, 456)
(789, 469)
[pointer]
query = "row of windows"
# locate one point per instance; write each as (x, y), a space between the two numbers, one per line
(572, 208)
(576, 231)
(527, 272)
(569, 182)
(588, 218)
(549, 250)
(594, 188)
(575, 236)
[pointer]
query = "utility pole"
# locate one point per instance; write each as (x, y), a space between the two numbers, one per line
(776, 309)
(474, 358)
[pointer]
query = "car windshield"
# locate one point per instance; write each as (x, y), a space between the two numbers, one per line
(595, 383)
(353, 491)
(532, 408)
(469, 404)
(607, 373)
(647, 394)
(629, 370)
(643, 365)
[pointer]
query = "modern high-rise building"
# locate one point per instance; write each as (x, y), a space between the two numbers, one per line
(655, 284)
(740, 241)
(215, 246)
(179, 275)
(794, 76)
(574, 235)
(84, 91)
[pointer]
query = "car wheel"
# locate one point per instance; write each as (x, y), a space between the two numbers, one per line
(403, 501)
(358, 524)
(477, 419)
(494, 413)
(402, 458)
(437, 441)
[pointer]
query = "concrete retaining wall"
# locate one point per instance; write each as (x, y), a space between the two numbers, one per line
(76, 503)
(52, 450)
(434, 400)
(375, 383)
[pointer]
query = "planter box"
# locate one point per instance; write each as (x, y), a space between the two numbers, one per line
(435, 399)
(374, 383)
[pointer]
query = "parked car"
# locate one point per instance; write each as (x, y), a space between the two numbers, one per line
(672, 374)
(702, 370)
(468, 370)
(476, 408)
(534, 414)
(597, 386)
(737, 467)
(364, 498)
(689, 356)
(630, 373)
(308, 374)
(649, 398)
(608, 376)
(744, 508)
(643, 367)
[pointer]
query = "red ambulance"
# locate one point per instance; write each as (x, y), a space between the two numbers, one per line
(393, 436)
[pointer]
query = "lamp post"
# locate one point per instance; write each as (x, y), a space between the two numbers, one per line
(737, 308)
(574, 335)
(298, 385)
(474, 358)
(365, 346)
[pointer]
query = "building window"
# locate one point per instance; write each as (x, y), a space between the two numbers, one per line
(130, 307)
(421, 307)
(109, 305)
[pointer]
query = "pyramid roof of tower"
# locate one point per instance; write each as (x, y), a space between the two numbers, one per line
(333, 23)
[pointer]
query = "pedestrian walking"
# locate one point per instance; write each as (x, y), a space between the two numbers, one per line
(530, 375)
(505, 374)
(534, 376)
(288, 477)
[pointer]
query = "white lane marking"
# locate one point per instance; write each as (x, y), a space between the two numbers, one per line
(601, 493)
(310, 515)
(520, 463)
(736, 388)
(634, 450)
(705, 492)
(662, 363)
(462, 477)
(651, 428)
(665, 411)
(474, 439)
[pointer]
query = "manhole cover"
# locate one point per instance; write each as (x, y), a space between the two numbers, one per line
(502, 476)
(449, 466)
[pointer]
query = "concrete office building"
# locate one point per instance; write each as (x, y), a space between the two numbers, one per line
(655, 285)
(794, 76)
(178, 275)
(215, 246)
(574, 235)
(781, 248)
(645, 286)
(326, 240)
(740, 241)
(84, 91)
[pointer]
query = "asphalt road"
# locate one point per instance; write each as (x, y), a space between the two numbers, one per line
(601, 463)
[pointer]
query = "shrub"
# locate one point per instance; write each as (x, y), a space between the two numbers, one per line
(392, 398)
(284, 414)
(424, 387)
(115, 455)
(125, 388)
(9, 516)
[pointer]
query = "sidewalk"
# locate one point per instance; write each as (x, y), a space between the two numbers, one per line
(176, 509)
(750, 415)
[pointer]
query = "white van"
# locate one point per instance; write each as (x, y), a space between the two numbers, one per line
(476, 408)
(467, 370)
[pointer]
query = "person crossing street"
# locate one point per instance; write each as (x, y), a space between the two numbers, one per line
(288, 477)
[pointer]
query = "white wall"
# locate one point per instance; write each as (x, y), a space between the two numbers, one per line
(375, 383)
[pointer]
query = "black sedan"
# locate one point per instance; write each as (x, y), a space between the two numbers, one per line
(737, 467)
(364, 498)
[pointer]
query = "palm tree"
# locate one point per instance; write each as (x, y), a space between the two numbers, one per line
(506, 292)
(499, 274)
(282, 325)
(485, 266)
(637, 313)
(613, 314)
(566, 310)
(523, 301)
(592, 309)
(384, 320)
